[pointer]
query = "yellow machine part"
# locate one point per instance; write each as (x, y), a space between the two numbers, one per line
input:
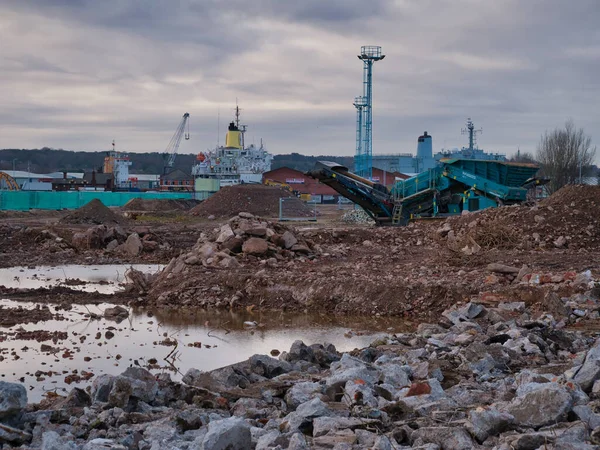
(8, 183)
(305, 197)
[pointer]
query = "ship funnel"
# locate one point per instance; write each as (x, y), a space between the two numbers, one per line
(425, 147)
(233, 138)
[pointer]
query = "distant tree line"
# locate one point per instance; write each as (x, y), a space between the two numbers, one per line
(46, 160)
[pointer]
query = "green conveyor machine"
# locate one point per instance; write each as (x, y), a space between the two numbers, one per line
(455, 185)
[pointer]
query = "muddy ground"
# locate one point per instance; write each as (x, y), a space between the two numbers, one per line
(414, 272)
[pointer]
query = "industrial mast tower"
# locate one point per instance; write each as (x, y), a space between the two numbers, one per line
(369, 54)
(472, 132)
(359, 103)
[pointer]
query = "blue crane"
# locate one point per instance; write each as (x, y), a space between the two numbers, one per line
(171, 151)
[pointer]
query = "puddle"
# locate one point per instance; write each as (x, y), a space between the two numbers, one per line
(104, 279)
(206, 340)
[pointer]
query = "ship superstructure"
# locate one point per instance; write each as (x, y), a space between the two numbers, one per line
(118, 164)
(233, 163)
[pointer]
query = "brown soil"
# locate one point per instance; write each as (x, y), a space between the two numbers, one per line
(414, 272)
(93, 212)
(570, 213)
(256, 199)
(162, 205)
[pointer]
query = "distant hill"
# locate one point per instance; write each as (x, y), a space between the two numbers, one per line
(46, 160)
(305, 163)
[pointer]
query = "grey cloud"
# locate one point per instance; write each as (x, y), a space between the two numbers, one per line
(81, 72)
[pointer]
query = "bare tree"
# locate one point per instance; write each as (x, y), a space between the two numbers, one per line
(565, 155)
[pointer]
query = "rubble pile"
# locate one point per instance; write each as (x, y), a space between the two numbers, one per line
(357, 216)
(22, 243)
(245, 240)
(567, 219)
(93, 212)
(116, 239)
(256, 199)
(160, 205)
(482, 376)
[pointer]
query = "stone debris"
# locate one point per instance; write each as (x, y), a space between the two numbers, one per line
(244, 241)
(357, 216)
(520, 382)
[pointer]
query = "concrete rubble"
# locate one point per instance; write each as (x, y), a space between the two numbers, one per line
(484, 376)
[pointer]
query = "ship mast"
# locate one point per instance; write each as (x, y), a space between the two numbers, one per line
(242, 128)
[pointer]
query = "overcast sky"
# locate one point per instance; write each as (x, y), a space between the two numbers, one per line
(76, 74)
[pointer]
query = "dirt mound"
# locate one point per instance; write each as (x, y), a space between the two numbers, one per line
(93, 212)
(568, 218)
(171, 204)
(256, 199)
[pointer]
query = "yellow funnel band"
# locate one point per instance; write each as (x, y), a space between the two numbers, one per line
(233, 139)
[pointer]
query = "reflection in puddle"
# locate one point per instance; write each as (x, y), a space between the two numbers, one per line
(104, 279)
(77, 348)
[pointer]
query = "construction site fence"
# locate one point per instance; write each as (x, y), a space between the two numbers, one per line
(26, 200)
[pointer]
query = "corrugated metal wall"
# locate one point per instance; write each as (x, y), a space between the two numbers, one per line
(25, 200)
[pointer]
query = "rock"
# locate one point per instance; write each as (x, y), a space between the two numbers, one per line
(299, 351)
(512, 306)
(448, 438)
(484, 423)
(101, 387)
(13, 435)
(323, 425)
(590, 370)
(313, 408)
(560, 242)
(298, 442)
(103, 444)
(13, 398)
(192, 260)
(143, 384)
(112, 245)
(77, 398)
(396, 375)
(356, 392)
(190, 419)
(268, 367)
(471, 310)
(540, 404)
(118, 312)
(302, 392)
(335, 440)
(383, 443)
(206, 251)
(227, 434)
(120, 392)
(299, 248)
(225, 234)
(365, 438)
(255, 246)
(133, 245)
(257, 232)
(502, 268)
(234, 244)
(268, 440)
(211, 217)
(51, 440)
(246, 215)
(289, 240)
